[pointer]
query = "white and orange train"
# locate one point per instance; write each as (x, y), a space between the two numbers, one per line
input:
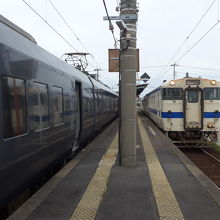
(187, 110)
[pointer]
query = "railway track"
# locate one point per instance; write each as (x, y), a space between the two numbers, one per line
(210, 155)
(207, 160)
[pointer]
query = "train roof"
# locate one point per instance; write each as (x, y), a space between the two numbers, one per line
(189, 79)
(153, 91)
(102, 86)
(14, 27)
(167, 84)
(19, 40)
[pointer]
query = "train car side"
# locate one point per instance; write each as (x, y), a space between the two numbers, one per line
(47, 109)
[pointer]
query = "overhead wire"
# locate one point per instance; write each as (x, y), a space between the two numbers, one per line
(50, 26)
(201, 18)
(218, 11)
(188, 36)
(149, 67)
(194, 28)
(111, 27)
(160, 74)
(55, 29)
(46, 6)
(64, 20)
(45, 20)
(197, 41)
(200, 68)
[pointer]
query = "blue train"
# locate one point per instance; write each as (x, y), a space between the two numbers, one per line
(47, 109)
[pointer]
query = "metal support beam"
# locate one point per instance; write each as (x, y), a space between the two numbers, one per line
(127, 140)
(174, 70)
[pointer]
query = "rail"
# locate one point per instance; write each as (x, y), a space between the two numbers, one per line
(207, 153)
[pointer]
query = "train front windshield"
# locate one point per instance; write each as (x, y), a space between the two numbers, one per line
(172, 93)
(211, 93)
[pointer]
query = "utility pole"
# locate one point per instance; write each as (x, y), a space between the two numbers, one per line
(97, 74)
(127, 139)
(174, 70)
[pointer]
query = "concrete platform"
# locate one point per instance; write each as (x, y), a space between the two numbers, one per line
(163, 185)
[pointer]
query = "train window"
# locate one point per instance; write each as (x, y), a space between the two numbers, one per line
(172, 93)
(40, 109)
(14, 107)
(193, 96)
(58, 105)
(68, 105)
(211, 93)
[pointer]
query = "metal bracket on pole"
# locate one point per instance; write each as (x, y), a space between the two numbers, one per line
(124, 17)
(122, 26)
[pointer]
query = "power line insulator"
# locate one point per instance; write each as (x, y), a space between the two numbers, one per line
(111, 27)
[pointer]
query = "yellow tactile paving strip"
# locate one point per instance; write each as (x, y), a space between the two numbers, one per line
(89, 203)
(167, 205)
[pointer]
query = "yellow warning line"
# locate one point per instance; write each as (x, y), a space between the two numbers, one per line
(89, 203)
(167, 205)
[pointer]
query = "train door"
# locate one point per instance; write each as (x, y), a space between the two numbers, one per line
(193, 109)
(78, 111)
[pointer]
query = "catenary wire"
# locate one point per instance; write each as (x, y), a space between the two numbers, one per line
(64, 20)
(218, 11)
(110, 24)
(50, 26)
(197, 41)
(156, 79)
(58, 33)
(55, 31)
(183, 43)
(194, 28)
(200, 68)
(149, 67)
(201, 18)
(77, 38)
(46, 6)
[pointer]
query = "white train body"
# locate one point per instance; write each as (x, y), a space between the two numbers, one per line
(187, 109)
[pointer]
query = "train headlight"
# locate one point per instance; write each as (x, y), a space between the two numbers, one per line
(210, 125)
(213, 82)
(172, 82)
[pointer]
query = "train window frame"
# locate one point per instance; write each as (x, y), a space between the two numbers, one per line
(210, 88)
(25, 104)
(197, 98)
(62, 96)
(48, 108)
(165, 97)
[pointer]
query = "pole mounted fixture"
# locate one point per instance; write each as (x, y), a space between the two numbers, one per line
(122, 26)
(124, 17)
(174, 70)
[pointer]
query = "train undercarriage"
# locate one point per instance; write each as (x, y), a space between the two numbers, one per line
(192, 138)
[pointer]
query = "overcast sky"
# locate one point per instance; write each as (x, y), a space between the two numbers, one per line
(163, 26)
